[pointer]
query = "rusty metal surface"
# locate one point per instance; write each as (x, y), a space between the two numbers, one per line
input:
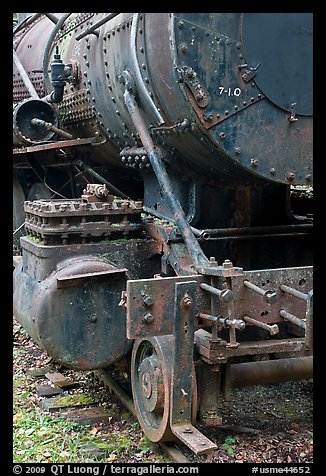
(271, 371)
(151, 364)
(162, 294)
(218, 352)
(68, 221)
(70, 322)
(249, 303)
(234, 104)
(54, 145)
(245, 302)
(183, 332)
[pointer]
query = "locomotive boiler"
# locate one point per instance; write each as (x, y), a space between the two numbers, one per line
(161, 164)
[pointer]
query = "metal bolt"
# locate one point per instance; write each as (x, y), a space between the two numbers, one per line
(290, 176)
(237, 150)
(148, 301)
(148, 318)
(272, 171)
(269, 296)
(187, 430)
(222, 135)
(186, 301)
(208, 116)
(254, 162)
(227, 264)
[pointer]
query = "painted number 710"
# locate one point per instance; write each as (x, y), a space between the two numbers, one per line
(229, 91)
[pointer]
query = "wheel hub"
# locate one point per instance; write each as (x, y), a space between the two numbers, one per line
(150, 376)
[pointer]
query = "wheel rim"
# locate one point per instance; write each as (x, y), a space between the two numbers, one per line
(151, 364)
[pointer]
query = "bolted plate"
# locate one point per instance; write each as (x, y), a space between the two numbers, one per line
(281, 44)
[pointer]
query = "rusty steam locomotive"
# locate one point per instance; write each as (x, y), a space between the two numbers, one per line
(155, 157)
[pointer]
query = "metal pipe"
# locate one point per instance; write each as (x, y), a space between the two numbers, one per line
(26, 21)
(271, 371)
(224, 295)
(259, 230)
(101, 179)
(155, 156)
(96, 25)
(141, 88)
(29, 86)
(258, 237)
(52, 17)
(262, 325)
(294, 292)
(56, 28)
(294, 319)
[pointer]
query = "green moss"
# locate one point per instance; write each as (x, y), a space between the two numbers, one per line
(74, 400)
(34, 238)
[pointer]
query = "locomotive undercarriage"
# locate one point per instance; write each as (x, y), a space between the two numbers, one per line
(191, 331)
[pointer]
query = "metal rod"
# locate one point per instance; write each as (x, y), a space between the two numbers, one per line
(19, 228)
(155, 156)
(26, 21)
(120, 393)
(271, 371)
(114, 189)
(52, 17)
(237, 323)
(214, 306)
(157, 214)
(258, 237)
(271, 329)
(294, 292)
(141, 88)
(50, 127)
(253, 287)
(96, 25)
(268, 295)
(224, 295)
(29, 86)
(294, 319)
(309, 322)
(259, 230)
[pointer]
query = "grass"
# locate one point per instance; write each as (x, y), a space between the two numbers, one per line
(227, 445)
(40, 437)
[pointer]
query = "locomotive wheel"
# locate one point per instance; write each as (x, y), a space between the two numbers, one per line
(151, 364)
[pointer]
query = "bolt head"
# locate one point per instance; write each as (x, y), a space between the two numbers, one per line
(148, 301)
(270, 297)
(227, 264)
(148, 318)
(186, 302)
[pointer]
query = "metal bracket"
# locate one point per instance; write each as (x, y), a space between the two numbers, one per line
(189, 77)
(181, 382)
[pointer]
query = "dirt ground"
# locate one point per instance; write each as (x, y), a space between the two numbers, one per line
(277, 419)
